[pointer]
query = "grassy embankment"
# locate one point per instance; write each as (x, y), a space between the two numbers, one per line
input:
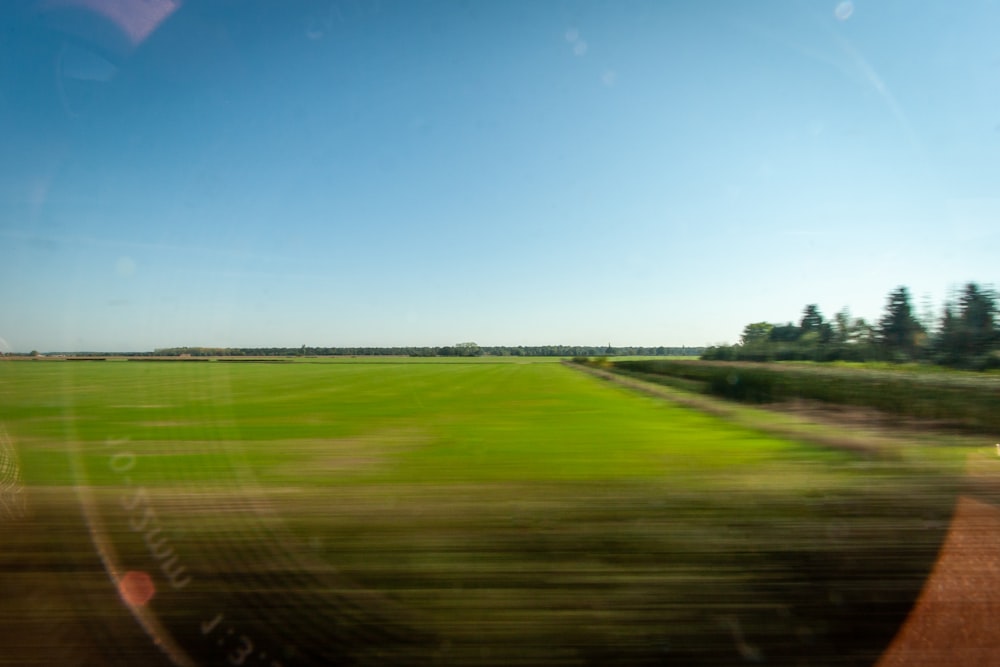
(468, 512)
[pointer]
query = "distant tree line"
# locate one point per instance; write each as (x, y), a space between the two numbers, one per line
(965, 336)
(457, 350)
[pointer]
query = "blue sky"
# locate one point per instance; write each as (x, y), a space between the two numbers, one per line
(404, 173)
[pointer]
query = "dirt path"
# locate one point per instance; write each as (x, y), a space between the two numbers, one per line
(955, 620)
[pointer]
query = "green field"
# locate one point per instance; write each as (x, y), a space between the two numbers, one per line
(467, 512)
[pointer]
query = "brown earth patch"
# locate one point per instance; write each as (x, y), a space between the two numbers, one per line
(954, 622)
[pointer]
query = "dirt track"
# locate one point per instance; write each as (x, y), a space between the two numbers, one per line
(955, 619)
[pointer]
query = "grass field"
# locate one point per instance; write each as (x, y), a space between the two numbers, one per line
(461, 512)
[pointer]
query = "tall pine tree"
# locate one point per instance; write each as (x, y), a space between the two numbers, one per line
(900, 334)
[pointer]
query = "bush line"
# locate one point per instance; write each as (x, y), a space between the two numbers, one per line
(972, 402)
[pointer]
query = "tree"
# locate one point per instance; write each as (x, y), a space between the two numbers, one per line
(861, 332)
(758, 332)
(948, 343)
(842, 326)
(812, 319)
(900, 334)
(467, 350)
(785, 333)
(971, 332)
(814, 328)
(978, 317)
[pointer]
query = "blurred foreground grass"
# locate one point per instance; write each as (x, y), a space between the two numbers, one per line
(464, 514)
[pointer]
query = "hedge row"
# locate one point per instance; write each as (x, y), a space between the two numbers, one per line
(972, 401)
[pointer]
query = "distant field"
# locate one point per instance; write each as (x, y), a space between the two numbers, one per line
(465, 511)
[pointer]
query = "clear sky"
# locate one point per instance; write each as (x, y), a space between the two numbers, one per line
(425, 173)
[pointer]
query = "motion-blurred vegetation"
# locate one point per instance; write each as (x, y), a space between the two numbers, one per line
(466, 512)
(966, 335)
(952, 397)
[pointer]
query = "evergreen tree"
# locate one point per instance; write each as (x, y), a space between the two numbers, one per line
(968, 335)
(812, 319)
(978, 317)
(900, 334)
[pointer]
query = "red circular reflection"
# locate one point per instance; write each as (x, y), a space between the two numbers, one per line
(136, 587)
